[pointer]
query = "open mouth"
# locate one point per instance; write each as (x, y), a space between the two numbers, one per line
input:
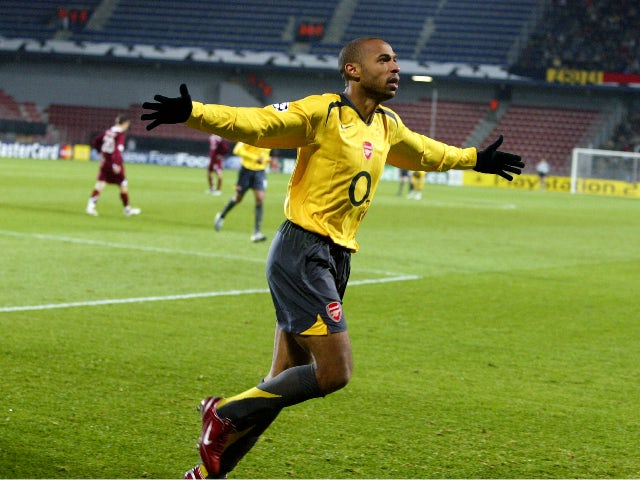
(393, 82)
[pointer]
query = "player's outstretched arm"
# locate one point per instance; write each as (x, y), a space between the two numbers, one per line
(168, 110)
(491, 160)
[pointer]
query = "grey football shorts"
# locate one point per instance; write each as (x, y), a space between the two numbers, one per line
(307, 275)
(254, 179)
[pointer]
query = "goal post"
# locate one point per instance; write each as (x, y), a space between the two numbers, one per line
(593, 169)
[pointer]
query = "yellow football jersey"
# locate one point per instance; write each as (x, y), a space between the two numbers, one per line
(340, 157)
(253, 158)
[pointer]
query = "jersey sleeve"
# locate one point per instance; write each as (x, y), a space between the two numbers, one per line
(413, 151)
(97, 142)
(285, 125)
(116, 156)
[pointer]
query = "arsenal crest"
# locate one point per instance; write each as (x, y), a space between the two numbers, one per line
(334, 310)
(367, 149)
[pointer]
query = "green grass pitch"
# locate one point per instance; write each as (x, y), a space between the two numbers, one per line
(495, 332)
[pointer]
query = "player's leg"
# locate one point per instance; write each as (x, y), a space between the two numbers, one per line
(419, 185)
(307, 276)
(258, 236)
(241, 188)
(124, 198)
(403, 180)
(292, 380)
(124, 193)
(210, 178)
(287, 353)
(411, 185)
(329, 371)
(217, 170)
(95, 196)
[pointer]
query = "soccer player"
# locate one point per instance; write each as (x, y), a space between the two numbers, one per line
(404, 179)
(543, 169)
(417, 184)
(252, 175)
(110, 144)
(218, 147)
(343, 142)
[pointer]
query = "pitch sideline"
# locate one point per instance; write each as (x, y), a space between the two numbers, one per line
(390, 276)
(186, 296)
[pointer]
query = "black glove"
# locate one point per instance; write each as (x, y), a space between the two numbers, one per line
(490, 160)
(168, 110)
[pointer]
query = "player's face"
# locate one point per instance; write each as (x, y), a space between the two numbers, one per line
(380, 73)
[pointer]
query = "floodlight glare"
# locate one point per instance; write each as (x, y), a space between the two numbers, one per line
(421, 78)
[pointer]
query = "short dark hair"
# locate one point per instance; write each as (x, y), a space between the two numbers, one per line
(352, 53)
(121, 118)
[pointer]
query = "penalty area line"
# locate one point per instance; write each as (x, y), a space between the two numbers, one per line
(186, 296)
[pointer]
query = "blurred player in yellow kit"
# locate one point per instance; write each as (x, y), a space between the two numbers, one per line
(417, 182)
(252, 175)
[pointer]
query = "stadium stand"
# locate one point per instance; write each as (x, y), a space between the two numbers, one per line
(20, 119)
(626, 136)
(537, 132)
(9, 108)
(243, 24)
(31, 112)
(427, 30)
(38, 19)
(484, 37)
(590, 35)
(78, 124)
(454, 122)
(462, 31)
(383, 18)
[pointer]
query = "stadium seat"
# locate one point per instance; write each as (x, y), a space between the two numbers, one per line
(455, 120)
(549, 132)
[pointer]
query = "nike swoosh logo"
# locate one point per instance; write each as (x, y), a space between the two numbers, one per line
(344, 127)
(205, 439)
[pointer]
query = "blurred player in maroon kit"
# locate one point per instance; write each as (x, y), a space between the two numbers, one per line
(218, 146)
(110, 144)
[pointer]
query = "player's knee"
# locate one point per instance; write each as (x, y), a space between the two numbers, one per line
(335, 379)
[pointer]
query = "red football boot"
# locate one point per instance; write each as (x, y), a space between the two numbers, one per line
(199, 472)
(214, 436)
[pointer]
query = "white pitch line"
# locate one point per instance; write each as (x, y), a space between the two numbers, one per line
(391, 277)
(116, 301)
(481, 205)
(124, 246)
(186, 296)
(83, 241)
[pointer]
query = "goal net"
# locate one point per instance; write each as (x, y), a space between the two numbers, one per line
(604, 171)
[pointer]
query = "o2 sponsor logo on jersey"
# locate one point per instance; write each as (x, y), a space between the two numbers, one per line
(334, 310)
(367, 149)
(281, 107)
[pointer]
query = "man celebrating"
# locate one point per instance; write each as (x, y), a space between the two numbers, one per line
(343, 142)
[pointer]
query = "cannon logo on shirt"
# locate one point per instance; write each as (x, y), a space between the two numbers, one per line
(281, 107)
(367, 148)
